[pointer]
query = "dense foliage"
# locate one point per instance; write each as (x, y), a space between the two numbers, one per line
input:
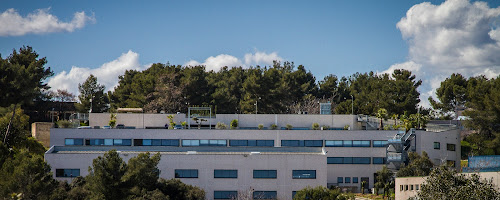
(320, 192)
(171, 88)
(418, 165)
(447, 184)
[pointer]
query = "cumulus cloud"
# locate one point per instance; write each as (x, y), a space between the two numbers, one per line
(38, 22)
(456, 36)
(107, 74)
(222, 60)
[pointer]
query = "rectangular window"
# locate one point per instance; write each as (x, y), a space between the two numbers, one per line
(67, 172)
(401, 188)
(293, 194)
(222, 173)
(265, 195)
(313, 143)
(122, 142)
(108, 142)
(361, 143)
(169, 142)
(225, 194)
(354, 179)
(347, 160)
(450, 147)
(411, 187)
(292, 143)
(94, 142)
(73, 141)
(304, 174)
(379, 160)
(437, 145)
(252, 143)
(361, 160)
(417, 187)
(379, 143)
(265, 174)
(347, 143)
(406, 187)
(333, 143)
(347, 180)
(186, 173)
(335, 160)
(190, 143)
(340, 179)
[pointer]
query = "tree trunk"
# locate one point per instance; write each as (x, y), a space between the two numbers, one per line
(10, 123)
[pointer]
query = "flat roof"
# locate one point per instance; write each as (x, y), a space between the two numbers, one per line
(207, 150)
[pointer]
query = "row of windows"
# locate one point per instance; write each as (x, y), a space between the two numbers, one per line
(405, 187)
(301, 143)
(67, 172)
(257, 174)
(347, 180)
(449, 147)
(252, 143)
(188, 143)
(356, 160)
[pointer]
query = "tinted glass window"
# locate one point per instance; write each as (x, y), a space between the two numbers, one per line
(225, 194)
(264, 174)
(220, 173)
(186, 173)
(304, 174)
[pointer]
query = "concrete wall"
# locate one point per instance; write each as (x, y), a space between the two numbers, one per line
(406, 182)
(425, 142)
(284, 164)
(140, 120)
(41, 132)
(404, 188)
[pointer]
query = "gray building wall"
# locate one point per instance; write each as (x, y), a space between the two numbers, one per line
(206, 163)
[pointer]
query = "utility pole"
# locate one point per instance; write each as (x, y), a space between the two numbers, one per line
(256, 101)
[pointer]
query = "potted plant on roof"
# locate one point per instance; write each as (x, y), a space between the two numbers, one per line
(112, 120)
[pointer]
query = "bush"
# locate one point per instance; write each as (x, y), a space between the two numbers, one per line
(325, 127)
(64, 124)
(289, 127)
(273, 126)
(261, 126)
(234, 124)
(220, 125)
(346, 127)
(112, 120)
(315, 126)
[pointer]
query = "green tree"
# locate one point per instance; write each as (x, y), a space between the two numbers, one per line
(105, 177)
(142, 174)
(447, 184)
(328, 87)
(167, 96)
(382, 115)
(92, 93)
(177, 190)
(319, 192)
(451, 94)
(26, 174)
(417, 166)
(18, 125)
(384, 179)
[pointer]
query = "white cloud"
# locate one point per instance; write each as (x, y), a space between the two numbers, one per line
(40, 21)
(107, 74)
(456, 36)
(222, 60)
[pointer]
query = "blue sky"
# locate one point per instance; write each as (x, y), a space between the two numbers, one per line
(328, 37)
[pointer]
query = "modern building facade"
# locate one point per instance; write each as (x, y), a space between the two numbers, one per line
(264, 162)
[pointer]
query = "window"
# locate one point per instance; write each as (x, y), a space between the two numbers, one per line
(67, 172)
(265, 174)
(156, 142)
(347, 143)
(406, 187)
(354, 179)
(122, 142)
(379, 160)
(190, 143)
(264, 195)
(411, 187)
(361, 143)
(340, 179)
(292, 143)
(293, 194)
(417, 187)
(437, 145)
(361, 160)
(253, 143)
(304, 174)
(221, 173)
(333, 143)
(401, 188)
(225, 194)
(348, 160)
(313, 143)
(73, 141)
(347, 180)
(186, 173)
(450, 147)
(379, 143)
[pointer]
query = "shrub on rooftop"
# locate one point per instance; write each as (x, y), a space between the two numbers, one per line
(234, 124)
(315, 126)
